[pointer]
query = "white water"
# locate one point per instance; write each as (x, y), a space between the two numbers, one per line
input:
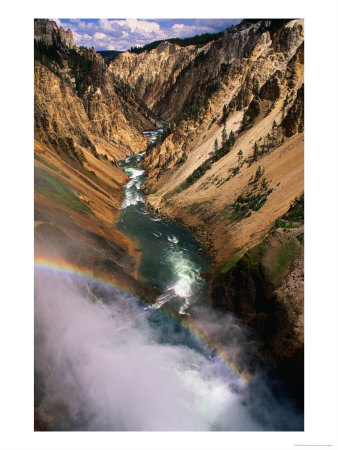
(107, 369)
(133, 193)
(187, 280)
(104, 362)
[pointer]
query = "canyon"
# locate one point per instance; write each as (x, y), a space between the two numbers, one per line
(228, 166)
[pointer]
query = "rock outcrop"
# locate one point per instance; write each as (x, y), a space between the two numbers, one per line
(229, 164)
(48, 32)
(229, 167)
(86, 120)
(294, 121)
(152, 74)
(266, 289)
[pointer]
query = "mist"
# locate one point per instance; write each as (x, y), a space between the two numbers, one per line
(102, 363)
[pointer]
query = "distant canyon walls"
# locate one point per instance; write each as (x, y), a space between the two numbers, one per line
(85, 121)
(230, 165)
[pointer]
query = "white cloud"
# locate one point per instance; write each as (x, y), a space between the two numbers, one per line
(99, 36)
(57, 21)
(121, 34)
(178, 26)
(143, 26)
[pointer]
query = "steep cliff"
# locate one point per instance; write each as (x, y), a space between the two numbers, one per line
(153, 73)
(48, 31)
(199, 180)
(229, 166)
(265, 288)
(85, 120)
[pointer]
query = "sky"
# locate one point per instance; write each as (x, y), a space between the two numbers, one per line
(121, 34)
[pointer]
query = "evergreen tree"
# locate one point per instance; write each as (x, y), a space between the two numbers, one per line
(244, 121)
(232, 138)
(259, 173)
(224, 137)
(240, 156)
(216, 146)
(256, 87)
(255, 153)
(225, 114)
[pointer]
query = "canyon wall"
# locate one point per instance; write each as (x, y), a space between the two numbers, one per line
(229, 166)
(85, 121)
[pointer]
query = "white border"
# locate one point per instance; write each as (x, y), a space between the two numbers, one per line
(16, 226)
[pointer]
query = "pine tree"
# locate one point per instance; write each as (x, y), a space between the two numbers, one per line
(232, 138)
(259, 173)
(255, 153)
(225, 114)
(244, 121)
(240, 156)
(224, 137)
(216, 146)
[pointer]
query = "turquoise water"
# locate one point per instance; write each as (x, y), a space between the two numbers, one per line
(171, 259)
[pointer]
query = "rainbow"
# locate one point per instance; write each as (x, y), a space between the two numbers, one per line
(65, 268)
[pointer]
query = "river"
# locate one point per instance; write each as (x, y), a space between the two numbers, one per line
(109, 362)
(171, 259)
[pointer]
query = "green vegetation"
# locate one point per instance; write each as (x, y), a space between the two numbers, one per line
(239, 157)
(252, 200)
(225, 114)
(255, 152)
(109, 55)
(57, 191)
(48, 55)
(182, 160)
(294, 217)
(283, 263)
(85, 71)
(199, 40)
(194, 207)
(200, 171)
(296, 211)
(258, 175)
(228, 264)
(224, 136)
(270, 141)
(50, 166)
(84, 66)
(250, 114)
(211, 123)
(196, 104)
(169, 129)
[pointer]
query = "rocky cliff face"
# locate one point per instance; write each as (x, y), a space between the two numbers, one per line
(258, 97)
(48, 31)
(294, 121)
(175, 80)
(85, 120)
(266, 289)
(153, 73)
(231, 164)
